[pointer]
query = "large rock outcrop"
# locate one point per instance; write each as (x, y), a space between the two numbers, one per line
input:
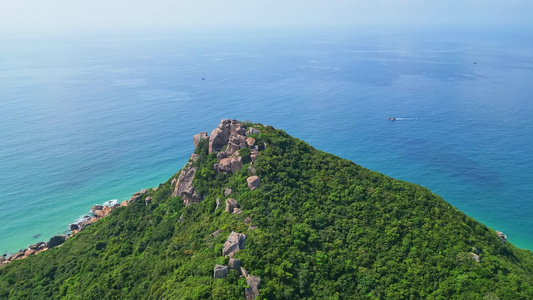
(229, 165)
(231, 204)
(253, 182)
(220, 136)
(253, 287)
(184, 187)
(55, 241)
(198, 137)
(234, 243)
(220, 271)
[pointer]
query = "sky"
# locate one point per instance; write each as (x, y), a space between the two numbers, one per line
(65, 15)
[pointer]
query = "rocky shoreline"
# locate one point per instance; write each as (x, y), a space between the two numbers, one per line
(97, 212)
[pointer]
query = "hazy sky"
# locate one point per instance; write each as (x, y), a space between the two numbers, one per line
(51, 15)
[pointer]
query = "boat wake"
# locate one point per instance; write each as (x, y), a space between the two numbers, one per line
(401, 119)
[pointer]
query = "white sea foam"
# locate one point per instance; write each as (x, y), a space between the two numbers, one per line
(111, 202)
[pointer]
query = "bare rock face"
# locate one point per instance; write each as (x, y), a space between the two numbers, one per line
(230, 133)
(17, 255)
(216, 233)
(193, 157)
(220, 136)
(227, 192)
(253, 182)
(99, 213)
(56, 240)
(218, 203)
(29, 252)
(235, 143)
(234, 263)
(124, 203)
(148, 200)
(251, 131)
(230, 248)
(37, 246)
(96, 207)
(234, 243)
(231, 204)
(503, 237)
(198, 137)
(253, 290)
(220, 271)
(475, 257)
(250, 142)
(229, 165)
(184, 187)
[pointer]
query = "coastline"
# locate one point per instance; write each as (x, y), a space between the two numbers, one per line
(96, 213)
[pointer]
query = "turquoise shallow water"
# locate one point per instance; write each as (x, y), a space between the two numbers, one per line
(86, 120)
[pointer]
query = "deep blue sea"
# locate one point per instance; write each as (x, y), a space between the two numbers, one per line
(97, 117)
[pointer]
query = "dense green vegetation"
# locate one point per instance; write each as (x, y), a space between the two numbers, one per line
(327, 228)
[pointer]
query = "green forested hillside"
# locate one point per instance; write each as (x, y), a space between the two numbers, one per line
(327, 228)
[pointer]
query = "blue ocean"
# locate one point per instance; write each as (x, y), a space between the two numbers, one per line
(97, 117)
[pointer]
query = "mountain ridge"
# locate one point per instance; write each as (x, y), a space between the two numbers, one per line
(315, 225)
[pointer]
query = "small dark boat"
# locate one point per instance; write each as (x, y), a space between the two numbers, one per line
(392, 119)
(36, 236)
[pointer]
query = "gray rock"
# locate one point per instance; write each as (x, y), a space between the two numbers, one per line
(143, 191)
(96, 207)
(253, 290)
(247, 221)
(244, 273)
(234, 263)
(99, 213)
(56, 240)
(221, 155)
(219, 136)
(193, 157)
(198, 137)
(148, 200)
(231, 204)
(216, 233)
(252, 227)
(220, 271)
(253, 182)
(17, 255)
(218, 203)
(236, 128)
(227, 192)
(184, 187)
(237, 211)
(230, 248)
(234, 243)
(235, 143)
(475, 257)
(238, 238)
(229, 165)
(37, 246)
(503, 237)
(251, 131)
(134, 198)
(73, 227)
(250, 142)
